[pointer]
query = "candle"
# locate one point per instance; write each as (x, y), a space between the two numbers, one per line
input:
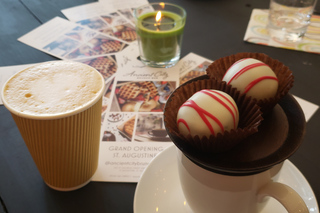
(157, 23)
(160, 35)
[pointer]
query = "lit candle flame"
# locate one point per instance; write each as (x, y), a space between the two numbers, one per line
(158, 16)
(162, 4)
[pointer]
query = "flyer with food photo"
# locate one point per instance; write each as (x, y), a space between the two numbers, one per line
(133, 130)
(118, 23)
(67, 40)
(113, 24)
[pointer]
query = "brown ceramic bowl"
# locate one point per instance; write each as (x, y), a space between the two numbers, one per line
(280, 135)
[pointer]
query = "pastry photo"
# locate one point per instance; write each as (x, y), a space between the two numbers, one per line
(141, 96)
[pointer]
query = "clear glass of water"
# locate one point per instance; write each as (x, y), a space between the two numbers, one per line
(289, 19)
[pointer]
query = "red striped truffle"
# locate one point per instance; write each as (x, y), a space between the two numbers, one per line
(252, 77)
(207, 112)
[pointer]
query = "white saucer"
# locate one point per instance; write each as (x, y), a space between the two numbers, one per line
(159, 189)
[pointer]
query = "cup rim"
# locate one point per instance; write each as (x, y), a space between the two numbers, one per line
(55, 115)
(184, 13)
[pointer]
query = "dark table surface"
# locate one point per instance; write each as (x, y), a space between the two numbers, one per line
(214, 29)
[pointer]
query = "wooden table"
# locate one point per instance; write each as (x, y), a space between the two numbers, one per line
(214, 29)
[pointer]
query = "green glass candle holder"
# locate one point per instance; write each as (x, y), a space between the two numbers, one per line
(160, 39)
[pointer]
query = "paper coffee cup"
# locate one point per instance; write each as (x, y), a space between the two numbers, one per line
(57, 108)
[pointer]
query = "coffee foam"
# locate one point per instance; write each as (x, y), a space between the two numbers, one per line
(53, 88)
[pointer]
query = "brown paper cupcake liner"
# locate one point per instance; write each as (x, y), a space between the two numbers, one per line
(249, 117)
(285, 77)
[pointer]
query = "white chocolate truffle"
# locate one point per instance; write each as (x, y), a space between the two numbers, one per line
(207, 112)
(252, 77)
